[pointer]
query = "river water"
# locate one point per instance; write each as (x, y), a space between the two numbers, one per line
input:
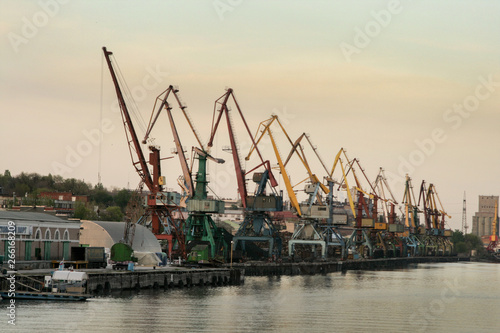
(447, 297)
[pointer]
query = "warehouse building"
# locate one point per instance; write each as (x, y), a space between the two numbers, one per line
(39, 236)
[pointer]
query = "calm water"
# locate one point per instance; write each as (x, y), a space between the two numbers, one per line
(461, 297)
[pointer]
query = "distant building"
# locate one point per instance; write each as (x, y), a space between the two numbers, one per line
(64, 202)
(482, 220)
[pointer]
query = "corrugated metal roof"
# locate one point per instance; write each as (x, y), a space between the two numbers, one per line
(30, 216)
(144, 239)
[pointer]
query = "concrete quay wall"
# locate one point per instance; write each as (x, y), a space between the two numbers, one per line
(323, 267)
(122, 280)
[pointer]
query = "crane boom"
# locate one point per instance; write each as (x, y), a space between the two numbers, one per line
(240, 173)
(164, 105)
(133, 144)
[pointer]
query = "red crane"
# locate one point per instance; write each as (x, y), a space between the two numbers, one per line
(160, 211)
(257, 225)
(240, 173)
(164, 104)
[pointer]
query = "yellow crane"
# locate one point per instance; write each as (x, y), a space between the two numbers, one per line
(494, 235)
(265, 125)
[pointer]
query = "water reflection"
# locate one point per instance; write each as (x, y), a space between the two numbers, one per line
(433, 297)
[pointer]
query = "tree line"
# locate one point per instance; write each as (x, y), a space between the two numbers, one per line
(103, 204)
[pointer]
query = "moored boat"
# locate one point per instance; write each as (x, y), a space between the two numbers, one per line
(61, 285)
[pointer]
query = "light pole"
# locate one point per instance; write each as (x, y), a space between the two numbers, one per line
(232, 242)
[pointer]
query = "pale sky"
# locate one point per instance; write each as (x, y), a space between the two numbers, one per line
(410, 86)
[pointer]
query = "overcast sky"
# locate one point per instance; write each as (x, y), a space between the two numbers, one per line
(410, 86)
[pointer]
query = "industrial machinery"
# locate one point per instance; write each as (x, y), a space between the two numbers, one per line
(317, 213)
(437, 239)
(396, 247)
(204, 239)
(414, 232)
(367, 238)
(314, 210)
(492, 246)
(159, 213)
(258, 225)
(122, 255)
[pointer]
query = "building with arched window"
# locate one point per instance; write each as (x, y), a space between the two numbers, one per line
(38, 236)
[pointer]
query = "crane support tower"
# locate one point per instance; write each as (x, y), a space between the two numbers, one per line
(160, 211)
(258, 225)
(205, 241)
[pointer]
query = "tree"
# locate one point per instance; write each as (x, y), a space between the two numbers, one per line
(113, 213)
(460, 247)
(84, 212)
(474, 242)
(122, 198)
(101, 197)
(457, 236)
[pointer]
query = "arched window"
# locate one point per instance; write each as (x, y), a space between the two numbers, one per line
(66, 235)
(38, 234)
(56, 235)
(47, 234)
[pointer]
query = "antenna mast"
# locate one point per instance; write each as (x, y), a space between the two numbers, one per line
(464, 217)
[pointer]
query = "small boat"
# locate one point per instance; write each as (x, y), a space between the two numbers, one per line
(62, 285)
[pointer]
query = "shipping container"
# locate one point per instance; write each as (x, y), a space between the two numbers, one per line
(265, 203)
(316, 212)
(367, 223)
(380, 226)
(339, 218)
(396, 228)
(95, 256)
(205, 206)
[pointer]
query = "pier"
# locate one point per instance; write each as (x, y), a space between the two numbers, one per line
(323, 267)
(105, 280)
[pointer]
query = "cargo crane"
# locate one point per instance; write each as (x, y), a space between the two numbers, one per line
(414, 232)
(430, 220)
(204, 239)
(491, 248)
(258, 225)
(159, 211)
(316, 214)
(444, 234)
(437, 241)
(396, 246)
(367, 236)
(330, 229)
(310, 212)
